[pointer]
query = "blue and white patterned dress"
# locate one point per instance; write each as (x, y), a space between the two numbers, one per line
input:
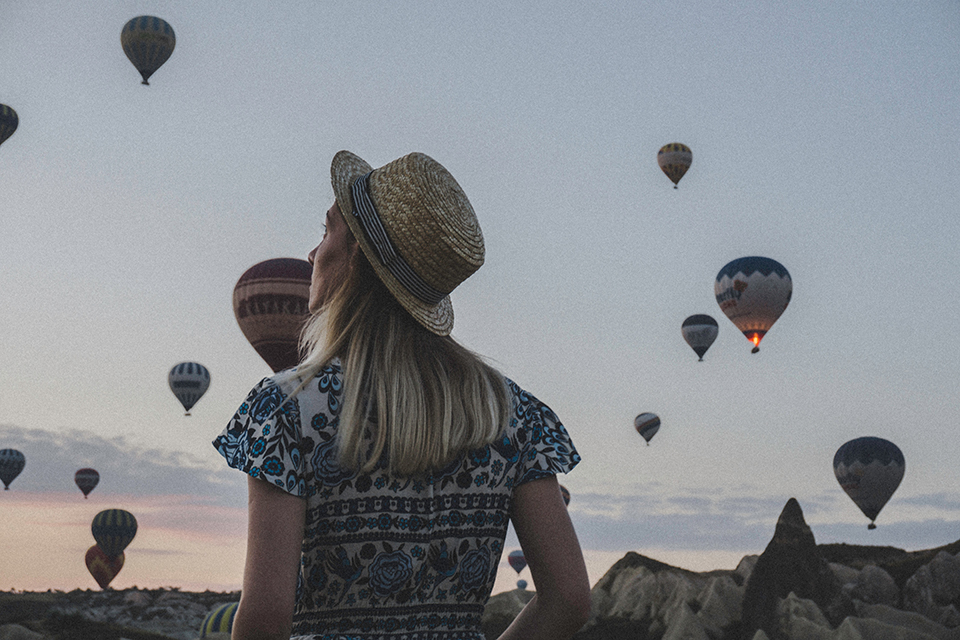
(389, 558)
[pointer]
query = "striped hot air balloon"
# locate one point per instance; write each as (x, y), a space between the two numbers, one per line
(86, 480)
(8, 122)
(699, 331)
(753, 292)
(11, 464)
(565, 493)
(647, 425)
(188, 381)
(869, 470)
(113, 529)
(270, 301)
(148, 42)
(102, 567)
(674, 160)
(219, 622)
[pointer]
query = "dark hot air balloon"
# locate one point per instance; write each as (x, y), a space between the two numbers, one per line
(86, 479)
(647, 425)
(516, 560)
(102, 567)
(521, 584)
(753, 292)
(270, 302)
(188, 381)
(148, 42)
(113, 529)
(8, 122)
(699, 331)
(566, 495)
(674, 160)
(869, 469)
(11, 464)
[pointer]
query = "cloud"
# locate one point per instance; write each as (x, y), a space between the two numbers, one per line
(942, 500)
(125, 468)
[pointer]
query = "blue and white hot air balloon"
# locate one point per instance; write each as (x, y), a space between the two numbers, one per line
(647, 425)
(188, 381)
(753, 292)
(869, 469)
(699, 331)
(148, 42)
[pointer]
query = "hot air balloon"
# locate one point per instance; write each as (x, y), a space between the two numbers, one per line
(521, 584)
(8, 122)
(11, 464)
(516, 560)
(674, 160)
(148, 42)
(753, 292)
(102, 567)
(219, 622)
(565, 494)
(188, 381)
(869, 469)
(270, 301)
(114, 529)
(699, 331)
(86, 479)
(647, 425)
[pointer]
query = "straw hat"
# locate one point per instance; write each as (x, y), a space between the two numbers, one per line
(415, 226)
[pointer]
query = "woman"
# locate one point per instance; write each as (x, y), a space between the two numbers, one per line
(384, 469)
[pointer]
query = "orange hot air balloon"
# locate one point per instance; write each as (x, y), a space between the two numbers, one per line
(270, 301)
(102, 567)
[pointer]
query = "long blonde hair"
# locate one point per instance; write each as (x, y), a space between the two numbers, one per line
(420, 398)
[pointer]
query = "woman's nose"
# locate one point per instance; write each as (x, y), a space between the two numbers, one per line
(312, 252)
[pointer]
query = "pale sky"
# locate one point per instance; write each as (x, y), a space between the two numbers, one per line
(825, 136)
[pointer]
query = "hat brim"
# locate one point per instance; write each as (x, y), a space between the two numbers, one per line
(344, 170)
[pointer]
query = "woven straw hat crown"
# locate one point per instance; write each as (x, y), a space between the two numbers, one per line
(429, 223)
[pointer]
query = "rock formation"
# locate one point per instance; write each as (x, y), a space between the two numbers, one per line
(794, 590)
(791, 563)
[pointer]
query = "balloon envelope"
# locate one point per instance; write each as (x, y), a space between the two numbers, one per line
(86, 479)
(516, 560)
(114, 529)
(521, 584)
(647, 425)
(699, 331)
(188, 381)
(566, 495)
(270, 302)
(674, 160)
(148, 42)
(869, 469)
(8, 122)
(219, 621)
(753, 292)
(102, 567)
(11, 464)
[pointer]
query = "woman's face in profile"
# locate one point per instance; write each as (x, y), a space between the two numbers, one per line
(330, 259)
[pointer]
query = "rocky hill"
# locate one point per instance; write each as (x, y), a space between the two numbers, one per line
(794, 590)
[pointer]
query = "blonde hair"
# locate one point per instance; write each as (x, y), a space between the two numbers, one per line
(420, 398)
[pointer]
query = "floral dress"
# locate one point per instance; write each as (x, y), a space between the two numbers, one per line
(385, 557)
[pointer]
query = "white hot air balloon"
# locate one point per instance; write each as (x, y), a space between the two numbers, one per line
(753, 292)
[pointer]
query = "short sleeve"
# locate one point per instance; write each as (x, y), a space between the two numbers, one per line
(545, 446)
(263, 438)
